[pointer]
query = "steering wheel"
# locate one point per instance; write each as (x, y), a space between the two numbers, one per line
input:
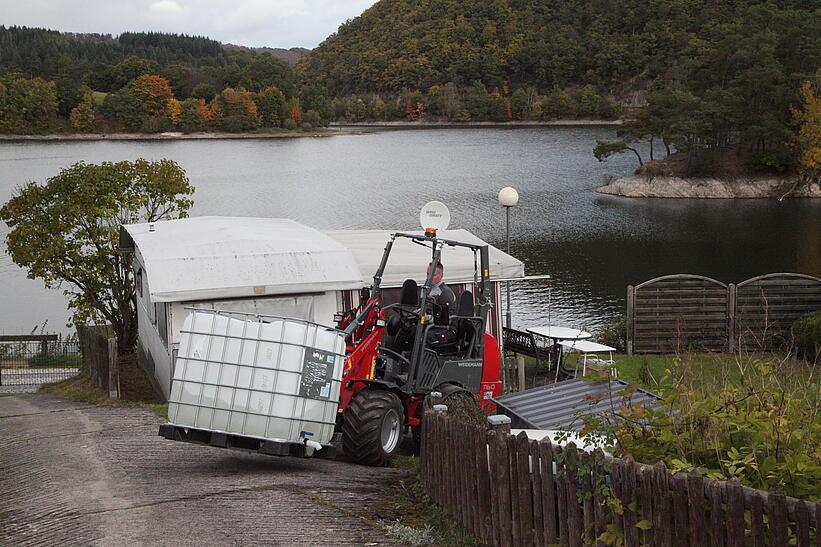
(404, 310)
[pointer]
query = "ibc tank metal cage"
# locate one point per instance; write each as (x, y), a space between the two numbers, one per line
(257, 376)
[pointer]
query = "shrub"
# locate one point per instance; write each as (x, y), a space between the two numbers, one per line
(614, 333)
(806, 332)
(289, 124)
(759, 423)
(306, 126)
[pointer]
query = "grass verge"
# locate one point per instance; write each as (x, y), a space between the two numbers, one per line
(411, 517)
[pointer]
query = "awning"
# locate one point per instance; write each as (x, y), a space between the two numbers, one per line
(207, 258)
(409, 260)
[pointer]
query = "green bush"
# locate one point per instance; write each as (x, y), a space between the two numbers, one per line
(289, 124)
(806, 332)
(614, 333)
(67, 360)
(760, 423)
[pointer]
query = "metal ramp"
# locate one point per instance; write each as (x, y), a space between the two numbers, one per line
(560, 406)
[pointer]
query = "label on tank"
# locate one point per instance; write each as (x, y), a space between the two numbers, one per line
(317, 374)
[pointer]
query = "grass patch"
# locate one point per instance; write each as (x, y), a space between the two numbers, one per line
(98, 97)
(56, 360)
(410, 516)
(134, 388)
(160, 409)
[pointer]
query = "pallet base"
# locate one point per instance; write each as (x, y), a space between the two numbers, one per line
(237, 442)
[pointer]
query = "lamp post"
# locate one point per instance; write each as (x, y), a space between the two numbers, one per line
(508, 197)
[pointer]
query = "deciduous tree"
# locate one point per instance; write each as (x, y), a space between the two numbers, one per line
(66, 232)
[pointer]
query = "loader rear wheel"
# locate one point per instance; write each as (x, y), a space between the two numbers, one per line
(372, 427)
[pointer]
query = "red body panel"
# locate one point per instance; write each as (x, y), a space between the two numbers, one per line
(491, 374)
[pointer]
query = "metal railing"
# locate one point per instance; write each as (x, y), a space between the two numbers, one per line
(27, 361)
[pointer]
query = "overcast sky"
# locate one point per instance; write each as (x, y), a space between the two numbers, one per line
(275, 23)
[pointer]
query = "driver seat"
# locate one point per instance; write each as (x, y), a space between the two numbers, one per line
(408, 297)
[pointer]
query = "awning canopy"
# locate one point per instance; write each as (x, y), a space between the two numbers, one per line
(409, 260)
(204, 258)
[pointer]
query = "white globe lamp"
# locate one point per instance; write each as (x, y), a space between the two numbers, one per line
(508, 197)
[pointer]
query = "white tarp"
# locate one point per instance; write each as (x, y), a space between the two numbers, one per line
(207, 258)
(409, 260)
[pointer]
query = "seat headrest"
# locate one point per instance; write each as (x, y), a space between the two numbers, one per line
(465, 308)
(409, 295)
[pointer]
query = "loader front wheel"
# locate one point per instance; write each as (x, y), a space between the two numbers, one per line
(372, 427)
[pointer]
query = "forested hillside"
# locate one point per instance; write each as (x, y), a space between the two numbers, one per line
(707, 74)
(52, 81)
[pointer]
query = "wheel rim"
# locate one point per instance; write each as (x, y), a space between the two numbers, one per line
(391, 431)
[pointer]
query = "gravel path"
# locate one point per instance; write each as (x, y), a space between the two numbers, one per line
(77, 474)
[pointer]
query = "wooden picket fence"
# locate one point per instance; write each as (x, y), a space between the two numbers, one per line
(514, 491)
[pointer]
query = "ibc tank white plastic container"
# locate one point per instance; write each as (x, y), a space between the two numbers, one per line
(275, 379)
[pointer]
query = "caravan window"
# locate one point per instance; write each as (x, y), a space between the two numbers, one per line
(138, 281)
(162, 320)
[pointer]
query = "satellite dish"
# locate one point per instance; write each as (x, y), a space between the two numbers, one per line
(434, 214)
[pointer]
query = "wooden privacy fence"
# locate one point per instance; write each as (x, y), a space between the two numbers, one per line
(691, 312)
(514, 491)
(99, 350)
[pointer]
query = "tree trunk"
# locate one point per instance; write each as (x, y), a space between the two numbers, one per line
(666, 146)
(636, 152)
(652, 137)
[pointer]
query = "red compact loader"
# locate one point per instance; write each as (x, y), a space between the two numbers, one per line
(399, 353)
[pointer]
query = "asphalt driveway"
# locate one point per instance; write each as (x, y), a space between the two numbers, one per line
(77, 474)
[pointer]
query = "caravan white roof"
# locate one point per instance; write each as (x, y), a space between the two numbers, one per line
(409, 260)
(227, 257)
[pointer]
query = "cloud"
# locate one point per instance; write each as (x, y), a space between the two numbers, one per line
(166, 7)
(275, 23)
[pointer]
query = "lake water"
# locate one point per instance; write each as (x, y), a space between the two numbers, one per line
(592, 245)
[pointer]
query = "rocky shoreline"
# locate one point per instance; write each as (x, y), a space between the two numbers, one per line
(642, 186)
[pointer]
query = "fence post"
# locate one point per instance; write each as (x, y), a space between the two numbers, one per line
(731, 300)
(630, 313)
(499, 423)
(113, 370)
(520, 372)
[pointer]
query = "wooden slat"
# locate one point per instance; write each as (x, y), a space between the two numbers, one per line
(757, 533)
(678, 486)
(802, 525)
(525, 505)
(586, 487)
(551, 530)
(662, 510)
(536, 493)
(735, 514)
(644, 477)
(574, 514)
(503, 488)
(696, 502)
(716, 515)
(483, 486)
(777, 517)
(630, 497)
(513, 464)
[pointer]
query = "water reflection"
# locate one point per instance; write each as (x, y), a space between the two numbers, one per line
(593, 245)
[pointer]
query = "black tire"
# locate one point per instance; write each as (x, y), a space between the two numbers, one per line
(372, 427)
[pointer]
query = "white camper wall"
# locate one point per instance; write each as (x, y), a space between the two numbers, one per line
(148, 335)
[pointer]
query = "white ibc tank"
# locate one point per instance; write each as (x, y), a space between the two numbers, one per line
(274, 379)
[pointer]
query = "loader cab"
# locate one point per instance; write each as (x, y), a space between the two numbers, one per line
(426, 345)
